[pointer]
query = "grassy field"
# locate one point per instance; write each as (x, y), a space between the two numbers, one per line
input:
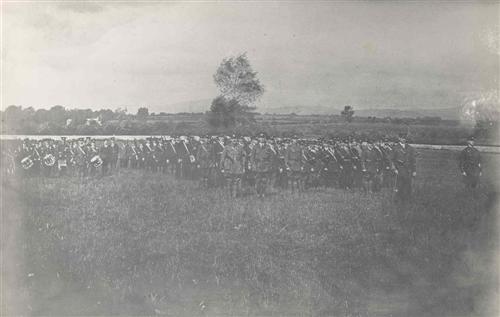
(137, 243)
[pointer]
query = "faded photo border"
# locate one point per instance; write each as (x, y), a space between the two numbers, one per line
(320, 253)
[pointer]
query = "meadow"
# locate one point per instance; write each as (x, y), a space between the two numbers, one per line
(137, 243)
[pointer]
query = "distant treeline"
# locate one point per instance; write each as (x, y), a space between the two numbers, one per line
(59, 120)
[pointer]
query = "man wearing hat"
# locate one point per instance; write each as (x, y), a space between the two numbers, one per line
(344, 157)
(404, 166)
(203, 162)
(370, 166)
(262, 157)
(387, 173)
(232, 166)
(114, 154)
(105, 152)
(81, 158)
(294, 163)
(470, 165)
(357, 173)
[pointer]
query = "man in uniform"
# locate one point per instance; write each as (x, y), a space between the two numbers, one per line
(148, 155)
(114, 153)
(141, 155)
(249, 176)
(262, 162)
(346, 164)
(105, 153)
(92, 151)
(232, 165)
(203, 162)
(294, 162)
(331, 170)
(387, 173)
(48, 158)
(404, 166)
(63, 157)
(281, 172)
(357, 173)
(133, 155)
(123, 151)
(274, 176)
(470, 165)
(370, 163)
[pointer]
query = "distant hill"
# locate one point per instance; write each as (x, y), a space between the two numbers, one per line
(444, 113)
(201, 105)
(204, 105)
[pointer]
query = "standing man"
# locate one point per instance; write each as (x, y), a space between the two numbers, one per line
(346, 164)
(106, 155)
(123, 154)
(470, 165)
(114, 154)
(232, 166)
(357, 169)
(294, 162)
(387, 173)
(404, 166)
(203, 162)
(81, 158)
(262, 163)
(370, 164)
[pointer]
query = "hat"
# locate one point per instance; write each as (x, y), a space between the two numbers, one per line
(471, 138)
(262, 135)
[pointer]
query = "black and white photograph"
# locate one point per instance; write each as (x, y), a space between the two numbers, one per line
(250, 158)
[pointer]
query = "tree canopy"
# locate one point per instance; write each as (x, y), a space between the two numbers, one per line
(239, 91)
(236, 79)
(142, 112)
(348, 113)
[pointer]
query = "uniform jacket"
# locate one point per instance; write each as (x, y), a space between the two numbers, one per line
(106, 152)
(81, 155)
(203, 155)
(470, 160)
(386, 151)
(232, 159)
(370, 159)
(262, 158)
(294, 157)
(403, 158)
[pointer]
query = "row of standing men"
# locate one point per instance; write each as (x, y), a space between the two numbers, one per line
(236, 162)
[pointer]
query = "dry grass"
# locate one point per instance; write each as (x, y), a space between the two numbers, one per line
(170, 248)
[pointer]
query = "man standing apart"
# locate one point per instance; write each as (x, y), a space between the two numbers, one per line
(470, 165)
(404, 166)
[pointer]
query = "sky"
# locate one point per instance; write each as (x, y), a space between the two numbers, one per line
(161, 54)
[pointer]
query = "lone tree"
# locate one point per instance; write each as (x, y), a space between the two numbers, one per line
(239, 90)
(142, 113)
(348, 113)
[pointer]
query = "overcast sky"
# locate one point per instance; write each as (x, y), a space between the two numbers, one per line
(367, 54)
